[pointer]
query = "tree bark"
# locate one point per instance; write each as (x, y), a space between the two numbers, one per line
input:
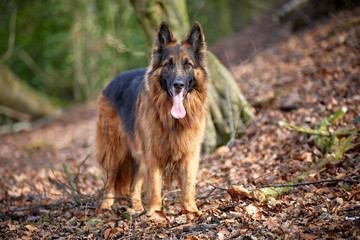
(15, 94)
(150, 13)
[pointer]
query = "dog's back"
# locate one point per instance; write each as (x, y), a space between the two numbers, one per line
(122, 93)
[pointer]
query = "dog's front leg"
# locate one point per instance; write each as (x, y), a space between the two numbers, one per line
(153, 185)
(188, 169)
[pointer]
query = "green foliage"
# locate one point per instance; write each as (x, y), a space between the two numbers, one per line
(71, 49)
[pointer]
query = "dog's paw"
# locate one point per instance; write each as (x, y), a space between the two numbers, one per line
(151, 210)
(138, 209)
(192, 214)
(107, 203)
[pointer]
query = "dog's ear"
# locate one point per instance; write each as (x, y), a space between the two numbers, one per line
(164, 37)
(195, 39)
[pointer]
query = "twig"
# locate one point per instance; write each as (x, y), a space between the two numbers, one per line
(310, 183)
(51, 205)
(72, 187)
(76, 178)
(351, 208)
(221, 188)
(207, 195)
(169, 192)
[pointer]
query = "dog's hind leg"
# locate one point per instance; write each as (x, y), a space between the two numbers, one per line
(136, 188)
(110, 149)
(124, 178)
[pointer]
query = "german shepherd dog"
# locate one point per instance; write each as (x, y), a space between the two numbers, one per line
(151, 122)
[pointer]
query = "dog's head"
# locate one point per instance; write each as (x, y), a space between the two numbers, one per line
(179, 67)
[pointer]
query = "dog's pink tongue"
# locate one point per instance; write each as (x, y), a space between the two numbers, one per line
(178, 110)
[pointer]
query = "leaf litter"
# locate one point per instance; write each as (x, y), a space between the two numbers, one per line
(301, 80)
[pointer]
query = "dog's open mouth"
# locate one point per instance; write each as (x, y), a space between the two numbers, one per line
(178, 111)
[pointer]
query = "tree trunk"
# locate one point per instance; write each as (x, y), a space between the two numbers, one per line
(16, 95)
(223, 90)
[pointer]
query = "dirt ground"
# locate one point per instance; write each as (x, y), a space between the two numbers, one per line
(300, 79)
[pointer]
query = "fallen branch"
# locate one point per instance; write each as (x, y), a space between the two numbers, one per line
(317, 132)
(351, 208)
(311, 183)
(333, 147)
(51, 205)
(84, 202)
(212, 190)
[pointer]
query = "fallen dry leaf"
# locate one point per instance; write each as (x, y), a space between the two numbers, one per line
(221, 151)
(30, 227)
(254, 211)
(11, 226)
(107, 233)
(239, 191)
(159, 216)
(272, 222)
(191, 238)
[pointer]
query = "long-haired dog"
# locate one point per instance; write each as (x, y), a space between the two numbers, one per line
(152, 120)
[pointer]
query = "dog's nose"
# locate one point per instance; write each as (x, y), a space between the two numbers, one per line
(178, 83)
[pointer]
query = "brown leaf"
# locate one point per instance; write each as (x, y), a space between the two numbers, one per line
(162, 235)
(254, 211)
(223, 234)
(11, 226)
(278, 231)
(221, 151)
(159, 216)
(48, 234)
(191, 238)
(107, 233)
(98, 210)
(308, 236)
(272, 223)
(30, 227)
(239, 191)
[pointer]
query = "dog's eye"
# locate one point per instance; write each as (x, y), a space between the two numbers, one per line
(188, 65)
(168, 64)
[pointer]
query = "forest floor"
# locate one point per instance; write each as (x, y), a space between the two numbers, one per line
(302, 79)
